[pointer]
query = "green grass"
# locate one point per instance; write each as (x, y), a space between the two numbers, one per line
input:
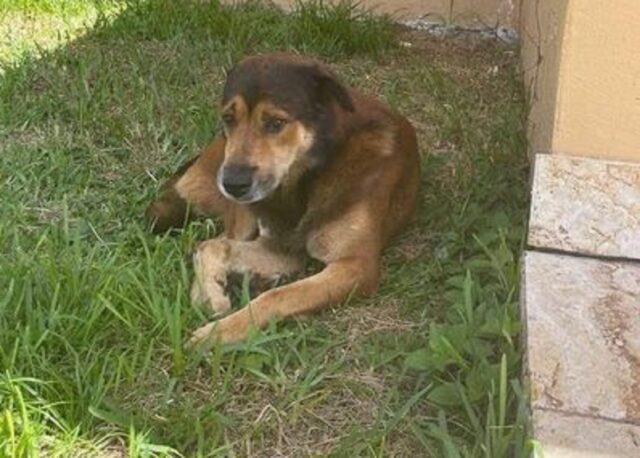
(94, 310)
(57, 7)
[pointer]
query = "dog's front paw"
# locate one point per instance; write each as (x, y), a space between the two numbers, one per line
(204, 337)
(233, 328)
(210, 296)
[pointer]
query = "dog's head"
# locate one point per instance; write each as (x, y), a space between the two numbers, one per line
(277, 113)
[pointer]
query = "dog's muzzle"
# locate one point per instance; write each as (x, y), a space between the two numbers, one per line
(240, 183)
(236, 180)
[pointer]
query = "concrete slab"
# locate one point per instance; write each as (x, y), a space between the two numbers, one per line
(586, 206)
(568, 436)
(582, 319)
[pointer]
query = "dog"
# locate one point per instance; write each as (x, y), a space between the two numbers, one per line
(305, 167)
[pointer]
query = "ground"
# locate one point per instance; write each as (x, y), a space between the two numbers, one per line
(100, 101)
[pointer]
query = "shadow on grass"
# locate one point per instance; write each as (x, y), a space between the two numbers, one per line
(85, 129)
(143, 85)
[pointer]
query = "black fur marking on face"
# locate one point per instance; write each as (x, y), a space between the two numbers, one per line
(305, 90)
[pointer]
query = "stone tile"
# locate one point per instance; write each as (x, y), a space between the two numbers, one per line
(586, 206)
(568, 436)
(582, 320)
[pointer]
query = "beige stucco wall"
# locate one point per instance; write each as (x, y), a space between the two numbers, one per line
(463, 12)
(541, 33)
(582, 66)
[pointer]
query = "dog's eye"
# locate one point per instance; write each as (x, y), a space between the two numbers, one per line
(228, 120)
(274, 125)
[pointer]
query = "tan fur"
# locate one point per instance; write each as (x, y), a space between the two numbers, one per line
(355, 204)
(271, 154)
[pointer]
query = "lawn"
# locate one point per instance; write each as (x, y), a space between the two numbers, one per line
(101, 100)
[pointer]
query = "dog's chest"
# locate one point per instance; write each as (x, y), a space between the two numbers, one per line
(264, 230)
(287, 235)
(281, 217)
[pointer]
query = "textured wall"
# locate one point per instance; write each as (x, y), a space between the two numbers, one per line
(541, 32)
(462, 12)
(582, 66)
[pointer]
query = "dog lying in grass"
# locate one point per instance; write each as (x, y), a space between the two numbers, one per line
(305, 168)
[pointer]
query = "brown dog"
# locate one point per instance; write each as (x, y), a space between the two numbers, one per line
(306, 167)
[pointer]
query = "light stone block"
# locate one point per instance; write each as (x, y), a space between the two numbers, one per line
(568, 436)
(586, 206)
(582, 321)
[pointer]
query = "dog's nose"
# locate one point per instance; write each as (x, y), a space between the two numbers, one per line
(237, 179)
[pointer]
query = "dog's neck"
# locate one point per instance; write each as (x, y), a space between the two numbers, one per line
(281, 212)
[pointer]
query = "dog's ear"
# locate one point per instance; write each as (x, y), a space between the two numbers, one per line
(230, 77)
(331, 89)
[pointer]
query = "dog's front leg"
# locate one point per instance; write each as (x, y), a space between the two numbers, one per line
(211, 267)
(214, 259)
(331, 286)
